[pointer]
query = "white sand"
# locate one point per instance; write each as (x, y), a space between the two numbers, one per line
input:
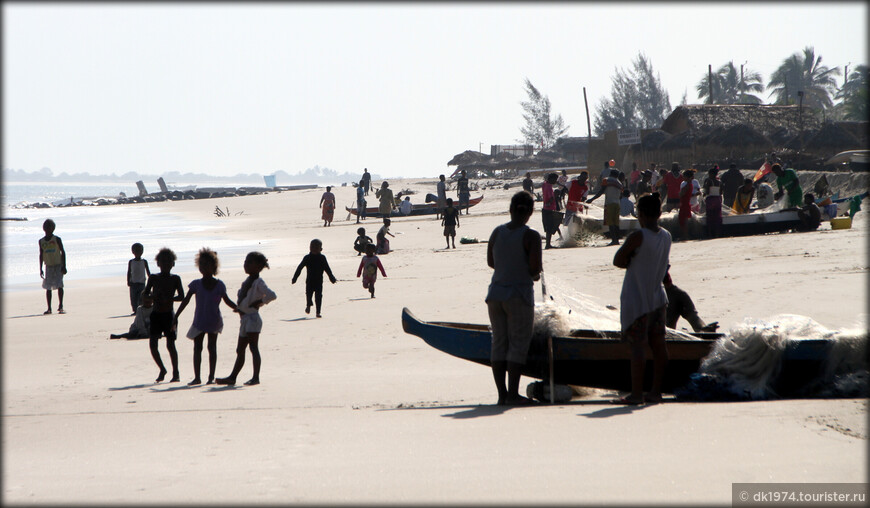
(353, 410)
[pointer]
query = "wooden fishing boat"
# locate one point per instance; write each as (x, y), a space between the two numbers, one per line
(420, 209)
(599, 359)
(757, 223)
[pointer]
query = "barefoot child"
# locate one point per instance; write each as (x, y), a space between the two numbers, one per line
(450, 221)
(137, 275)
(369, 266)
(359, 244)
(383, 246)
(316, 264)
(207, 316)
(53, 256)
(252, 295)
(165, 288)
(644, 302)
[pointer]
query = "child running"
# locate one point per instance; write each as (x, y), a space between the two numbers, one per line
(316, 264)
(450, 221)
(252, 295)
(369, 265)
(137, 275)
(207, 317)
(53, 256)
(644, 302)
(165, 288)
(359, 244)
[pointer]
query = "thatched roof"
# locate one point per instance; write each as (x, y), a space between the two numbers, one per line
(742, 135)
(679, 141)
(781, 136)
(466, 157)
(832, 137)
(764, 118)
(652, 140)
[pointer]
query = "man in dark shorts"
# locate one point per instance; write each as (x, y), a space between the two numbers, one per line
(463, 191)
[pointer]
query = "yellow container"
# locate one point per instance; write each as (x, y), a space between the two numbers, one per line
(841, 223)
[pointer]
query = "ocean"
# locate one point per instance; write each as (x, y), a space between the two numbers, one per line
(98, 238)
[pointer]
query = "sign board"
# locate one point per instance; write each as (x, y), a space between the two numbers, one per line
(628, 136)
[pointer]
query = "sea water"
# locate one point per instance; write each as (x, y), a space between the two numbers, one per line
(97, 239)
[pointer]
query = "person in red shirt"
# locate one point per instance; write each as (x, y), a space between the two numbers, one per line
(671, 181)
(576, 194)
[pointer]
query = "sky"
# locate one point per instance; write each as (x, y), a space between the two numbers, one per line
(398, 88)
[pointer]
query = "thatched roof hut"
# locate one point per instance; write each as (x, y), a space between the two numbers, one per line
(832, 137)
(468, 156)
(764, 118)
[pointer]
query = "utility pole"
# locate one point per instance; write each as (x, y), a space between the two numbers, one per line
(588, 127)
(846, 74)
(710, 81)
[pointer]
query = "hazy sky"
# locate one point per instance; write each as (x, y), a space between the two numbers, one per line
(229, 88)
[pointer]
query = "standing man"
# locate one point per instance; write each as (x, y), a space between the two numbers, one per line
(731, 181)
(366, 180)
(441, 204)
(548, 212)
(672, 181)
(514, 254)
(528, 184)
(360, 201)
(633, 178)
(612, 190)
(787, 182)
(463, 192)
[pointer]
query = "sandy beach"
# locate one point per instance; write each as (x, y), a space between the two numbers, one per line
(352, 410)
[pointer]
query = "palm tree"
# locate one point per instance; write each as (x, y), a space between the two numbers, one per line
(804, 73)
(730, 87)
(854, 94)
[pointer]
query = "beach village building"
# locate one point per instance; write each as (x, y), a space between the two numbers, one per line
(704, 134)
(692, 135)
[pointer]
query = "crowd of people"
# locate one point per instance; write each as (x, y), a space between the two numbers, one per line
(649, 301)
(678, 189)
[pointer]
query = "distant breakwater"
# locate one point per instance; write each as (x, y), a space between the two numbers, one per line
(172, 195)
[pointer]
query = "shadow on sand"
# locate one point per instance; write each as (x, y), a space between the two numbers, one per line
(131, 387)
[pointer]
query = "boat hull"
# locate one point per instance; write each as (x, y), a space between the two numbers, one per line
(593, 360)
(732, 225)
(598, 359)
(423, 209)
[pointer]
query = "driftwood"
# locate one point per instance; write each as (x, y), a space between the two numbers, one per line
(220, 213)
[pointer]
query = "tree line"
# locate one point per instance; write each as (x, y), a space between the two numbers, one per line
(638, 99)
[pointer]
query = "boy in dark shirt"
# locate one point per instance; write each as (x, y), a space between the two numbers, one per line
(316, 264)
(450, 221)
(809, 214)
(359, 245)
